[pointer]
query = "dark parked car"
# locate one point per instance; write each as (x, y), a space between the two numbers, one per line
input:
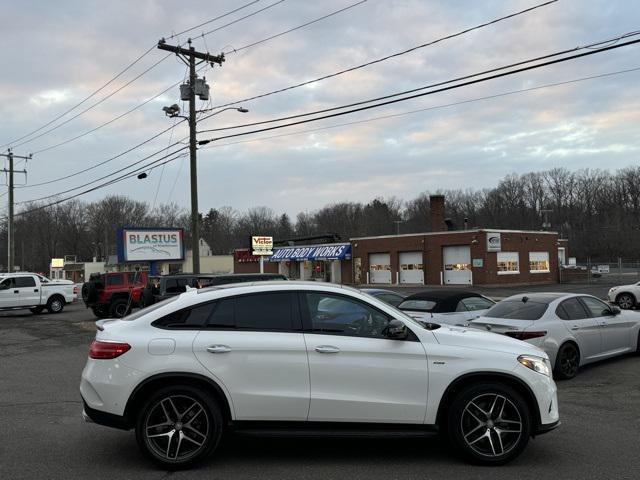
(387, 296)
(453, 307)
(166, 286)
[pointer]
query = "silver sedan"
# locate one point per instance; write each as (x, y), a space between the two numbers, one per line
(572, 329)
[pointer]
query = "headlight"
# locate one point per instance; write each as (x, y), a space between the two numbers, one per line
(537, 364)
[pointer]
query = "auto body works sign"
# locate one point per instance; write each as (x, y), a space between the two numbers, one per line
(320, 252)
(151, 245)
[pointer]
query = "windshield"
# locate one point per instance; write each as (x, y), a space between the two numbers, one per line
(419, 305)
(517, 310)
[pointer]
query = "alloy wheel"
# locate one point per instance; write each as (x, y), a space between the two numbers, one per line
(491, 425)
(56, 306)
(569, 362)
(176, 428)
(625, 302)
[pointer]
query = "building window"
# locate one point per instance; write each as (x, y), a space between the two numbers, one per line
(539, 262)
(508, 263)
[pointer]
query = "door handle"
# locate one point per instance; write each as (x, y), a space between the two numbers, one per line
(575, 327)
(218, 349)
(327, 349)
(35, 290)
(16, 291)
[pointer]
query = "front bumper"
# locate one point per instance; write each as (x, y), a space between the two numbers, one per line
(547, 427)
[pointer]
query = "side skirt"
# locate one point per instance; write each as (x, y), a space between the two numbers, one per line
(330, 429)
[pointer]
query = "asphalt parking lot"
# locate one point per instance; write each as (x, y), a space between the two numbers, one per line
(42, 356)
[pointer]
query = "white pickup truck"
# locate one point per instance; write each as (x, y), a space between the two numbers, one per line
(35, 292)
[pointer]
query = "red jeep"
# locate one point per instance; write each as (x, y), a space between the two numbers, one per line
(114, 294)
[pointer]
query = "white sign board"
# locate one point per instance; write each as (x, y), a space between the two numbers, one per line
(494, 242)
(262, 245)
(152, 245)
(603, 269)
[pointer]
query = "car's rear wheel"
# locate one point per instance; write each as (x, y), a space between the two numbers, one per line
(489, 423)
(179, 426)
(55, 304)
(119, 308)
(567, 362)
(626, 301)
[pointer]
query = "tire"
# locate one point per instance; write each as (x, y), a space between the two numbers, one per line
(626, 301)
(101, 311)
(171, 410)
(638, 345)
(89, 292)
(36, 310)
(55, 304)
(567, 362)
(489, 423)
(119, 308)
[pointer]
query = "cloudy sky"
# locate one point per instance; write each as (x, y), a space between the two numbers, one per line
(57, 53)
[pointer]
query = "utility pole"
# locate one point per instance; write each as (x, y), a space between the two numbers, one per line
(10, 234)
(189, 56)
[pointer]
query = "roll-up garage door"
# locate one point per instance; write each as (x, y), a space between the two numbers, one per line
(380, 268)
(411, 267)
(457, 265)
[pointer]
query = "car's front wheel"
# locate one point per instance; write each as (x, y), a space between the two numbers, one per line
(626, 301)
(489, 423)
(179, 426)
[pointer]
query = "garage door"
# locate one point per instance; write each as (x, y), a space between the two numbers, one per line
(457, 265)
(380, 268)
(411, 267)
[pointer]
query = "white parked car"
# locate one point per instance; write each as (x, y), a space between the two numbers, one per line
(625, 296)
(292, 357)
(35, 292)
(451, 307)
(572, 329)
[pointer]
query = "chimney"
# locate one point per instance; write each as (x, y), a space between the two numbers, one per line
(436, 206)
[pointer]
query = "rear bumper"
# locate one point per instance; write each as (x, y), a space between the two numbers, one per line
(92, 415)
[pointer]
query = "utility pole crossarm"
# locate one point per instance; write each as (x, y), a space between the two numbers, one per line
(207, 57)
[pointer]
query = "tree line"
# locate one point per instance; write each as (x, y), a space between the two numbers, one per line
(596, 210)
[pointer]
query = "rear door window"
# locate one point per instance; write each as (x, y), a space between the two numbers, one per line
(265, 311)
(189, 318)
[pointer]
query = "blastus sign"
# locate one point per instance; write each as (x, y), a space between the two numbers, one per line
(147, 245)
(494, 242)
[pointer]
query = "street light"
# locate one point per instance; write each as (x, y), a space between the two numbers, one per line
(173, 111)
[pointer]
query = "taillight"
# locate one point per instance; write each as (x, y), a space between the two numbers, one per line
(107, 350)
(525, 335)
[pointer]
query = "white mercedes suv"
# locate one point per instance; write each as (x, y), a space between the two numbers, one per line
(307, 358)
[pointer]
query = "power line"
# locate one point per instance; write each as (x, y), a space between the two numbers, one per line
(420, 110)
(69, 140)
(71, 175)
(236, 50)
(465, 77)
(418, 95)
(382, 59)
(174, 35)
(97, 187)
(105, 176)
(127, 68)
(488, 97)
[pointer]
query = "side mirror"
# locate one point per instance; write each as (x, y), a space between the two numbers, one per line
(615, 311)
(396, 330)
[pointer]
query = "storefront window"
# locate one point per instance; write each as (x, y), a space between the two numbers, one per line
(539, 262)
(508, 262)
(457, 267)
